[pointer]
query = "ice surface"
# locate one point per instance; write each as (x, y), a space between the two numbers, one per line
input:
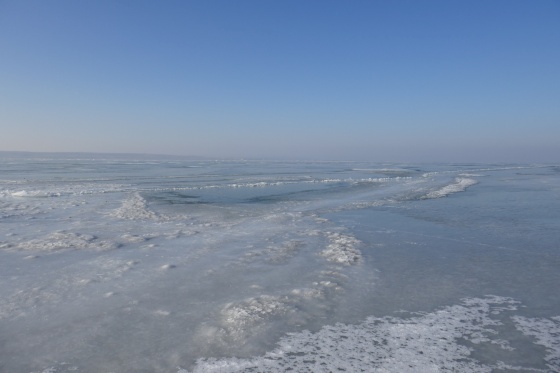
(428, 343)
(240, 322)
(24, 193)
(69, 283)
(546, 333)
(63, 240)
(131, 266)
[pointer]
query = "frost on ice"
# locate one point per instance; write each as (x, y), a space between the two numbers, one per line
(426, 343)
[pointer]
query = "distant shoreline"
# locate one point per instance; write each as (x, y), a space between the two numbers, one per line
(94, 155)
(19, 154)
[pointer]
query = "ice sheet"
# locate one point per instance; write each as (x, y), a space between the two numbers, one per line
(150, 266)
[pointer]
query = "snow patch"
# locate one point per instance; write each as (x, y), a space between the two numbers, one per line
(426, 343)
(547, 334)
(342, 249)
(134, 208)
(460, 185)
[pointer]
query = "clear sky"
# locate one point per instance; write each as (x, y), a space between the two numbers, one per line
(345, 80)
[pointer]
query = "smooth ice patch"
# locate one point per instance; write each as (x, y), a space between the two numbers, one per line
(63, 240)
(15, 208)
(67, 285)
(277, 254)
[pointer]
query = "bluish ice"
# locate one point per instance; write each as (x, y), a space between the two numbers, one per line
(123, 264)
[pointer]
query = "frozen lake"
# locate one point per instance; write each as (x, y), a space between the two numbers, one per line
(124, 265)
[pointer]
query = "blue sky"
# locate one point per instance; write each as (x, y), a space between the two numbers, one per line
(345, 80)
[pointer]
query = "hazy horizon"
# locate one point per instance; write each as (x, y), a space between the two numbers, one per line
(402, 81)
(193, 157)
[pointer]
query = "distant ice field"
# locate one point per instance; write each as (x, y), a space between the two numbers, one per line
(123, 265)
